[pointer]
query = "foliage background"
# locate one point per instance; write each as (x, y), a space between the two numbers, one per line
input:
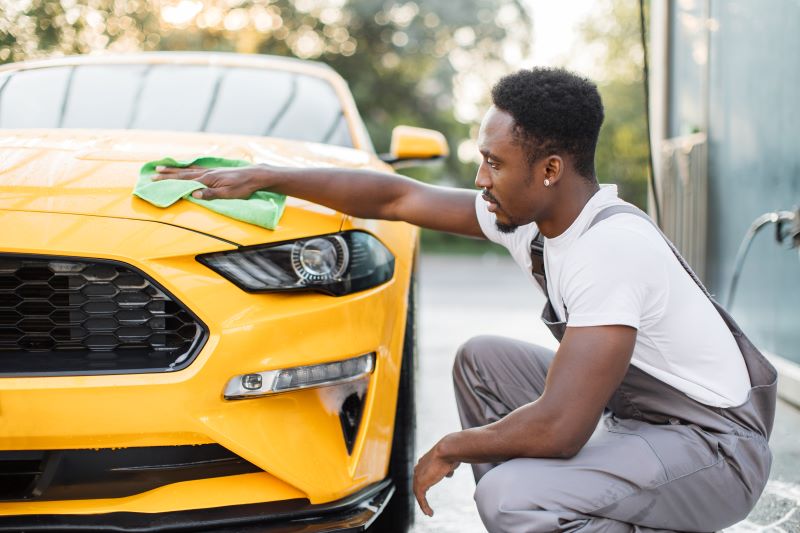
(428, 64)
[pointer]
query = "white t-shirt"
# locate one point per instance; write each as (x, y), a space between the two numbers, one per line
(621, 271)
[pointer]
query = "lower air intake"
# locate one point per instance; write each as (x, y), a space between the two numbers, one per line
(111, 473)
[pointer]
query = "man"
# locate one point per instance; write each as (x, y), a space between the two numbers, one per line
(654, 412)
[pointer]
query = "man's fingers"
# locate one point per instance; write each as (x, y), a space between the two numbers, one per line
(419, 493)
(429, 471)
(167, 170)
(426, 508)
(205, 194)
(181, 173)
(175, 173)
(162, 168)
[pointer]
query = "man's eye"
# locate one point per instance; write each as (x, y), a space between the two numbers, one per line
(492, 164)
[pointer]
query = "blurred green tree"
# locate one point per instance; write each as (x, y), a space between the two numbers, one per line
(622, 150)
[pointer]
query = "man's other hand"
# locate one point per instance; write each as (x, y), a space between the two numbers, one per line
(430, 470)
(235, 182)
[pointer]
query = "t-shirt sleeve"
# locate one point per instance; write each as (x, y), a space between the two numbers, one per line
(608, 279)
(517, 242)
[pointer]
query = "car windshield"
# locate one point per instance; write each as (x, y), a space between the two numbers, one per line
(202, 98)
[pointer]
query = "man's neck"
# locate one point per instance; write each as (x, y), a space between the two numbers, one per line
(566, 208)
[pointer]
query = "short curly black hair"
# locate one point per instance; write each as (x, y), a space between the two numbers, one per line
(554, 111)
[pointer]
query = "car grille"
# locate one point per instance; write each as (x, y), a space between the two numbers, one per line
(89, 316)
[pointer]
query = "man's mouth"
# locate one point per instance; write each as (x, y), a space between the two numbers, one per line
(490, 199)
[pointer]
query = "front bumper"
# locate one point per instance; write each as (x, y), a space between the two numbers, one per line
(352, 514)
(295, 439)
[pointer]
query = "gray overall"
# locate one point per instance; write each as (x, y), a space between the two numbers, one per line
(658, 460)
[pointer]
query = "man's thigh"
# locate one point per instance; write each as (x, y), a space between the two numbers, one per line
(661, 477)
(502, 373)
(492, 376)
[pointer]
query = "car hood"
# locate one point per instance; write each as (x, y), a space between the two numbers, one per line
(91, 172)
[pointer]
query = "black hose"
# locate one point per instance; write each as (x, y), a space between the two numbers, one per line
(776, 217)
(646, 74)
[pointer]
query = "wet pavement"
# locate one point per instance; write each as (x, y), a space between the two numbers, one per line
(465, 296)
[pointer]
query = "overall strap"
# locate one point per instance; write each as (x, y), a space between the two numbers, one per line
(537, 260)
(758, 413)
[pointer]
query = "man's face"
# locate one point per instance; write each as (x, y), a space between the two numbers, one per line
(505, 174)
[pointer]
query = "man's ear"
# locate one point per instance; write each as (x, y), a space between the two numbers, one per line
(553, 169)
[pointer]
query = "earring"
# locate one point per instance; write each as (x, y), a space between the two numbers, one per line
(546, 182)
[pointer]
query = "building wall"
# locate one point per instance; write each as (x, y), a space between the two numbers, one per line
(734, 71)
(688, 68)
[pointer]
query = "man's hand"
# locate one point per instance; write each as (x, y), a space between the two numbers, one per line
(588, 367)
(430, 470)
(235, 182)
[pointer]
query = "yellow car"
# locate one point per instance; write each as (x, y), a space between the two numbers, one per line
(166, 369)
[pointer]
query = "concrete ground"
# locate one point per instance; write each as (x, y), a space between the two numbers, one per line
(465, 296)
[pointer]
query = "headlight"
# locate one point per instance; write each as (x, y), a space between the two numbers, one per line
(336, 264)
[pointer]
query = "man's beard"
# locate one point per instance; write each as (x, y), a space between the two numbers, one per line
(501, 227)
(505, 228)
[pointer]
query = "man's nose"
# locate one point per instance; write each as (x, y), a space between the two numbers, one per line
(482, 180)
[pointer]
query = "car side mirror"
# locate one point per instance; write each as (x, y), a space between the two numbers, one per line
(415, 146)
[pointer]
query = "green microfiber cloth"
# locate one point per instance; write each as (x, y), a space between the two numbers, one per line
(262, 208)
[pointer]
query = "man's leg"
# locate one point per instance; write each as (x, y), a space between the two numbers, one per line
(495, 375)
(630, 477)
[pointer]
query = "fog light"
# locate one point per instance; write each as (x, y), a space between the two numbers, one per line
(252, 381)
(299, 377)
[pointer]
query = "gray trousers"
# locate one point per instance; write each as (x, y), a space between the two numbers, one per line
(640, 470)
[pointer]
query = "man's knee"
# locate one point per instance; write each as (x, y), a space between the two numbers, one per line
(495, 499)
(489, 497)
(489, 355)
(470, 353)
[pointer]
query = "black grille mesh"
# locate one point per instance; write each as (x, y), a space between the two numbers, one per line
(88, 316)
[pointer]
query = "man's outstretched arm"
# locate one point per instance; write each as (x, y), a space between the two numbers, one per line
(360, 193)
(588, 367)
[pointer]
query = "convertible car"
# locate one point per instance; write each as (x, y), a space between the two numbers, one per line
(168, 369)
